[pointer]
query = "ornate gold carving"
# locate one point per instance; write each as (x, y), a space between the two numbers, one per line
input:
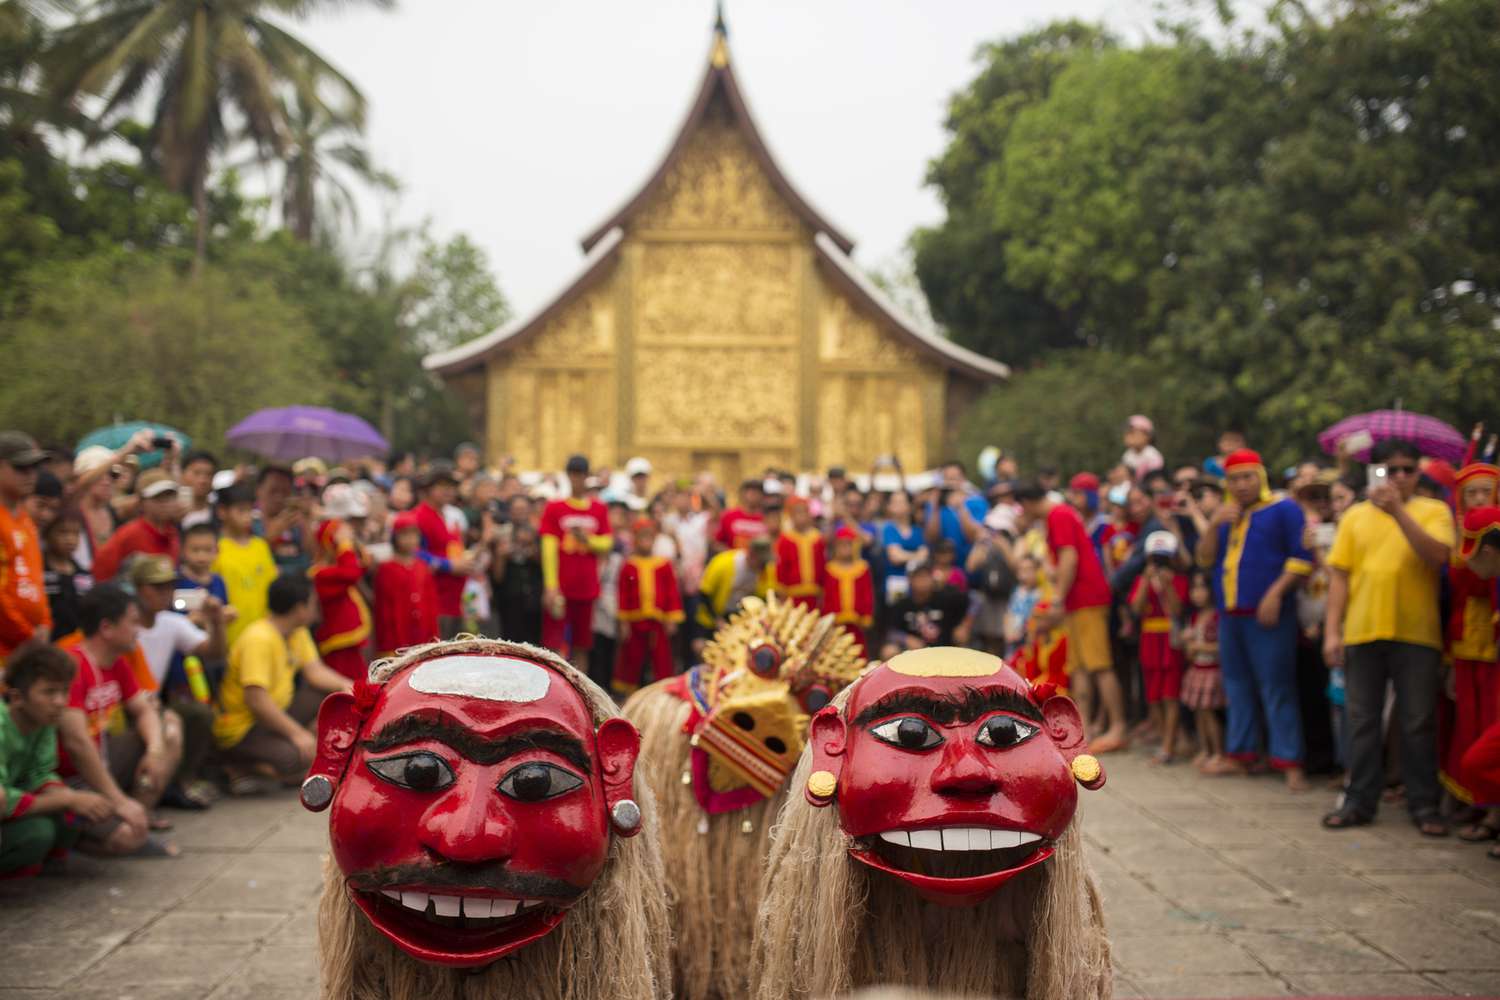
(716, 183)
(715, 292)
(746, 395)
(846, 334)
(555, 412)
(583, 330)
(862, 416)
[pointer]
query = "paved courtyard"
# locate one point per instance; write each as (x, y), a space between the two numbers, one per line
(1213, 888)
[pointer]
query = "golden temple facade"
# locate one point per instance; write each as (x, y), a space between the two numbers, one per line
(718, 324)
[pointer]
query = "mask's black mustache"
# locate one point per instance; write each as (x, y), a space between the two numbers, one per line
(491, 878)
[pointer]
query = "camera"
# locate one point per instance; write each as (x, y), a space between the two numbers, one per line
(162, 441)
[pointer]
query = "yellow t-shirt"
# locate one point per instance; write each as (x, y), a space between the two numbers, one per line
(1393, 594)
(261, 658)
(248, 570)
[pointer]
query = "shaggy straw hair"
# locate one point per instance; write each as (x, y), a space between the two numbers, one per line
(612, 945)
(713, 878)
(828, 924)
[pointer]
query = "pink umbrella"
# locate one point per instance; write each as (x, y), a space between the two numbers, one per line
(1436, 438)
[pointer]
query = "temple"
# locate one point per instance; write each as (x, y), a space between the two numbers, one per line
(717, 323)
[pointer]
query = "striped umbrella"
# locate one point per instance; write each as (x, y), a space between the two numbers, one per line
(1436, 438)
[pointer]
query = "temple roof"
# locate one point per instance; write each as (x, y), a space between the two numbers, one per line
(833, 247)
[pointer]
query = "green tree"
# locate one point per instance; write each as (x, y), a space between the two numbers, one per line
(143, 341)
(322, 151)
(212, 62)
(453, 296)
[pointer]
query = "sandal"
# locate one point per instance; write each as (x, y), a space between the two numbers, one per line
(158, 824)
(248, 785)
(1430, 824)
(1346, 818)
(1161, 758)
(156, 847)
(1476, 833)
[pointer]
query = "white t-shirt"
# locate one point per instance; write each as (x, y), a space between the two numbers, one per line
(170, 633)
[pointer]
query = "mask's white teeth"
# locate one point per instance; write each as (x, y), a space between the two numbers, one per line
(960, 838)
(1027, 838)
(1004, 838)
(445, 906)
(414, 901)
(927, 840)
(391, 894)
(503, 907)
(897, 837)
(475, 906)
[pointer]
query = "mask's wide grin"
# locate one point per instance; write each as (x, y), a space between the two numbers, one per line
(953, 865)
(466, 927)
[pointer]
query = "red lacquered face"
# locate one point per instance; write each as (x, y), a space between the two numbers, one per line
(952, 783)
(473, 810)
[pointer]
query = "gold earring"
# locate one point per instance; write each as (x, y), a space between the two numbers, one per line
(822, 784)
(1086, 769)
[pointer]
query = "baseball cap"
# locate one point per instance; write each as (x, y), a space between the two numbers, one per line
(1140, 422)
(20, 450)
(155, 483)
(92, 458)
(638, 467)
(1161, 543)
(1085, 482)
(577, 464)
(151, 569)
(405, 521)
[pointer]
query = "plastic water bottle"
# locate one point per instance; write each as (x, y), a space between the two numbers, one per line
(197, 682)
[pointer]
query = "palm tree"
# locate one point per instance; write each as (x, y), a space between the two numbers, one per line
(319, 149)
(23, 32)
(220, 69)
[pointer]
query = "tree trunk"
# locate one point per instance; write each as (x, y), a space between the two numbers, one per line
(200, 209)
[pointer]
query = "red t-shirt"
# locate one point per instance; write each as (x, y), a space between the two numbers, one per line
(1065, 530)
(101, 695)
(139, 535)
(737, 527)
(405, 605)
(577, 562)
(441, 542)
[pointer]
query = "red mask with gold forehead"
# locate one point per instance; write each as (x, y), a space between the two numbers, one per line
(472, 798)
(950, 772)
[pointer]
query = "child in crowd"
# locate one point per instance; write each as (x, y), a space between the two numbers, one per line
(34, 802)
(1141, 456)
(64, 579)
(1157, 600)
(849, 593)
(1023, 601)
(344, 621)
(405, 591)
(1202, 690)
(244, 560)
(200, 547)
(649, 609)
(945, 566)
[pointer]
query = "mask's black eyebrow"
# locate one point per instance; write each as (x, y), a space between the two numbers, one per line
(414, 728)
(973, 704)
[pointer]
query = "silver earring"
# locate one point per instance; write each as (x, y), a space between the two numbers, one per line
(626, 816)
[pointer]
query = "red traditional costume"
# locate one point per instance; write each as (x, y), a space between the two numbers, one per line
(649, 601)
(570, 564)
(801, 562)
(345, 617)
(405, 600)
(1472, 648)
(849, 592)
(1043, 658)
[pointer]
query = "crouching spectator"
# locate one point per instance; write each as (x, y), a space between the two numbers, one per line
(34, 802)
(114, 735)
(263, 728)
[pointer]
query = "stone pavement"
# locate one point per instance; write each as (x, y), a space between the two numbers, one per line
(1213, 888)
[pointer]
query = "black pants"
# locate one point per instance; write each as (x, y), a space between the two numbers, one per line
(1415, 673)
(1320, 755)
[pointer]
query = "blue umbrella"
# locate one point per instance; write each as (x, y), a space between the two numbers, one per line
(114, 437)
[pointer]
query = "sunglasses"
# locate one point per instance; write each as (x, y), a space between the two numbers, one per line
(1401, 470)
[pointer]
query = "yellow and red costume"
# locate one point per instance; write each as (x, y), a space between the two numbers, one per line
(345, 617)
(649, 601)
(849, 593)
(1043, 658)
(1471, 646)
(575, 534)
(801, 563)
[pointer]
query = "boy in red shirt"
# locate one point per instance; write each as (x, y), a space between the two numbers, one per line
(405, 592)
(650, 609)
(849, 592)
(575, 533)
(739, 525)
(1157, 599)
(801, 557)
(24, 612)
(445, 548)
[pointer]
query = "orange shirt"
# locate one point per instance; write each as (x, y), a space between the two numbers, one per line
(23, 597)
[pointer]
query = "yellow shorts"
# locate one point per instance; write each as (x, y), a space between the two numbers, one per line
(1088, 639)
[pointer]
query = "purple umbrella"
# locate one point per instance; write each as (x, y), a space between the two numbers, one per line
(1435, 438)
(291, 432)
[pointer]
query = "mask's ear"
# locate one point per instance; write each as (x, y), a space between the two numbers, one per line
(619, 745)
(826, 738)
(1065, 726)
(338, 729)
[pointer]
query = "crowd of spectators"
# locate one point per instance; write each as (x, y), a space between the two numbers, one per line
(169, 622)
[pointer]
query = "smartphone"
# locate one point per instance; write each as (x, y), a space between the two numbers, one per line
(1376, 475)
(1324, 534)
(187, 600)
(161, 441)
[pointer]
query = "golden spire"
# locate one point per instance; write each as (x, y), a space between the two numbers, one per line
(719, 57)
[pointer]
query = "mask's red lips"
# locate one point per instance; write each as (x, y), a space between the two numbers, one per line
(953, 865)
(462, 928)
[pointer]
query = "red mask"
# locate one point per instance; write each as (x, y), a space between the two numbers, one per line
(952, 774)
(473, 800)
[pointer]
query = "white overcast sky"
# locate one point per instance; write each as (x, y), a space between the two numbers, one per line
(526, 124)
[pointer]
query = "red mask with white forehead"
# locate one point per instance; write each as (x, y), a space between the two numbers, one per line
(473, 800)
(952, 774)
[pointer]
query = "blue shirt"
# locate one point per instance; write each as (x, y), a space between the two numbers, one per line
(911, 542)
(1253, 553)
(952, 528)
